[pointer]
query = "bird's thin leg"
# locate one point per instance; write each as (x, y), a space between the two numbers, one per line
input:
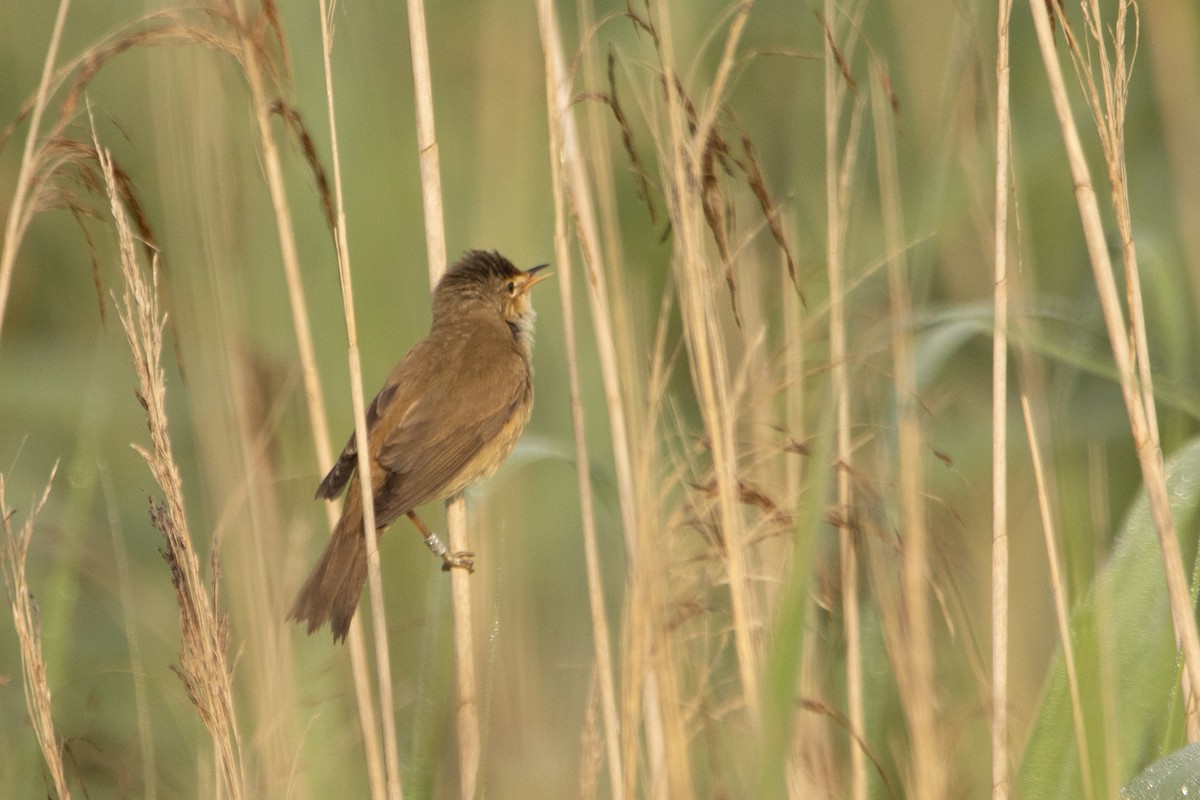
(464, 560)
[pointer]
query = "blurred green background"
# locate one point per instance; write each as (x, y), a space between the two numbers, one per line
(179, 121)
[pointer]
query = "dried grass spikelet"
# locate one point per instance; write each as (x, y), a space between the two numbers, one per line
(27, 623)
(204, 631)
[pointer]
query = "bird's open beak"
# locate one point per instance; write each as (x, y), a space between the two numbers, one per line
(532, 277)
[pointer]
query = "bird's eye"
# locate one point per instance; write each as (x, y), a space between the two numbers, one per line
(511, 286)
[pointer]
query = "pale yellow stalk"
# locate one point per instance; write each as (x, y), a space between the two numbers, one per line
(1000, 778)
(456, 509)
(557, 104)
(1130, 360)
(18, 214)
(374, 578)
(1062, 614)
(835, 205)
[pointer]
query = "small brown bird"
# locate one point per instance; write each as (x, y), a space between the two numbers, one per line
(447, 416)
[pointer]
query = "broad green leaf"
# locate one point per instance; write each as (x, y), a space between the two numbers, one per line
(1177, 775)
(1126, 658)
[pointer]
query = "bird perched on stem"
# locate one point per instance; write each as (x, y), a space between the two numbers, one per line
(447, 416)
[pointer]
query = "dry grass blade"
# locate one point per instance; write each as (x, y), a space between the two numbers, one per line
(16, 221)
(295, 124)
(837, 169)
(46, 157)
(817, 707)
(918, 686)
(1060, 589)
(758, 184)
(1128, 343)
(469, 747)
(383, 664)
(705, 346)
(204, 631)
(29, 635)
(556, 92)
(637, 167)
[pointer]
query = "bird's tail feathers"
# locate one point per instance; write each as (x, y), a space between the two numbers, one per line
(332, 591)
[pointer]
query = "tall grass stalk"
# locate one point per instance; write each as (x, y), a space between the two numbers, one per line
(1058, 585)
(917, 681)
(837, 169)
(456, 510)
(702, 336)
(310, 374)
(394, 790)
(19, 212)
(1127, 342)
(558, 110)
(999, 554)
(644, 707)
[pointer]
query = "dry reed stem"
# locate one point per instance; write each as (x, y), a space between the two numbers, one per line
(254, 64)
(558, 107)
(27, 622)
(793, 474)
(391, 750)
(705, 346)
(836, 202)
(641, 692)
(999, 560)
(684, 186)
(204, 632)
(1058, 586)
(14, 226)
(649, 693)
(456, 509)
(1109, 119)
(598, 267)
(919, 693)
(1133, 367)
(603, 184)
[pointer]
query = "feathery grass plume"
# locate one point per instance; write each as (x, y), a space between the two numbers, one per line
(704, 487)
(717, 157)
(29, 634)
(54, 163)
(204, 630)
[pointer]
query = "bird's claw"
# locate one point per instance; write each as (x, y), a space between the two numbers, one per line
(460, 560)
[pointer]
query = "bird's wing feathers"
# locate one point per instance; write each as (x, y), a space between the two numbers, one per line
(380, 407)
(448, 424)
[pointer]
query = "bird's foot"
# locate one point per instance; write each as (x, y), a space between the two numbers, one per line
(460, 560)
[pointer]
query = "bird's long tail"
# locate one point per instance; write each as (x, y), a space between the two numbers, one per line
(332, 590)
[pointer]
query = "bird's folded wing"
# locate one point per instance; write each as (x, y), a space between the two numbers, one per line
(382, 406)
(448, 425)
